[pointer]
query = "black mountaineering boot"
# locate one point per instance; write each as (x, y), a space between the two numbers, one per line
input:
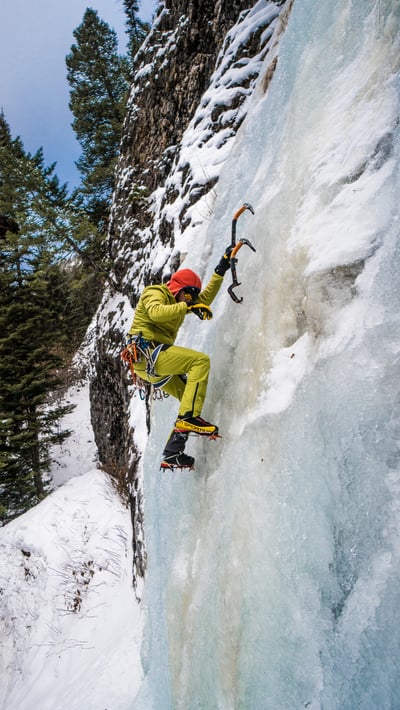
(176, 442)
(173, 455)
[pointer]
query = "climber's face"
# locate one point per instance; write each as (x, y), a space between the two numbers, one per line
(189, 294)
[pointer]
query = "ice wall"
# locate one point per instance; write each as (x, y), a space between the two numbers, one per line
(273, 578)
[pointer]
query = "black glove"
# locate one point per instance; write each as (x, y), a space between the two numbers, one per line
(201, 310)
(224, 263)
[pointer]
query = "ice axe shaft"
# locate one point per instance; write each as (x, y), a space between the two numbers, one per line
(235, 248)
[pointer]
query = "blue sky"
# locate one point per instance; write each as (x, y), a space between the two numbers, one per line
(35, 37)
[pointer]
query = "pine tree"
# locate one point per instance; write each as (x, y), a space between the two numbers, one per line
(30, 329)
(28, 375)
(62, 218)
(98, 78)
(136, 28)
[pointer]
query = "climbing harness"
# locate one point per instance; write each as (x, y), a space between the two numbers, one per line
(235, 248)
(136, 349)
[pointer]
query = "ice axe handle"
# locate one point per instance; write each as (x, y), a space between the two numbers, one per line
(243, 208)
(234, 283)
(233, 262)
(233, 295)
(234, 250)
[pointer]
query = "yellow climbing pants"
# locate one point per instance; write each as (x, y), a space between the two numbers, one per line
(178, 361)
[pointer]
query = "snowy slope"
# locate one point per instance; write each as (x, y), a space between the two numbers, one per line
(70, 623)
(78, 453)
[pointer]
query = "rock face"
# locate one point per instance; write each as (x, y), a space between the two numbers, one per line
(193, 76)
(181, 53)
(174, 69)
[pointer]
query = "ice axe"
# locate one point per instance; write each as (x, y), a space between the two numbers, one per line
(235, 248)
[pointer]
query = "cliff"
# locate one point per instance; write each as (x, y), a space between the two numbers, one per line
(193, 78)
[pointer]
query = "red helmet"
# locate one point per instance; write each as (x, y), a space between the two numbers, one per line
(184, 278)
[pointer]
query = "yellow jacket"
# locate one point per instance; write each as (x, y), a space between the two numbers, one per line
(158, 316)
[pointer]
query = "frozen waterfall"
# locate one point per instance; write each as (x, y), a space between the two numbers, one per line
(274, 568)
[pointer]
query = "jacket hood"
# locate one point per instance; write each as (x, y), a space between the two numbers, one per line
(182, 279)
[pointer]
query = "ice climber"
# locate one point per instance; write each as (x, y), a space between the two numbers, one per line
(181, 372)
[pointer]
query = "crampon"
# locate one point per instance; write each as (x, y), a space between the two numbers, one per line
(181, 461)
(211, 437)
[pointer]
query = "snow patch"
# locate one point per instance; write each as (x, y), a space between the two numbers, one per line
(70, 622)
